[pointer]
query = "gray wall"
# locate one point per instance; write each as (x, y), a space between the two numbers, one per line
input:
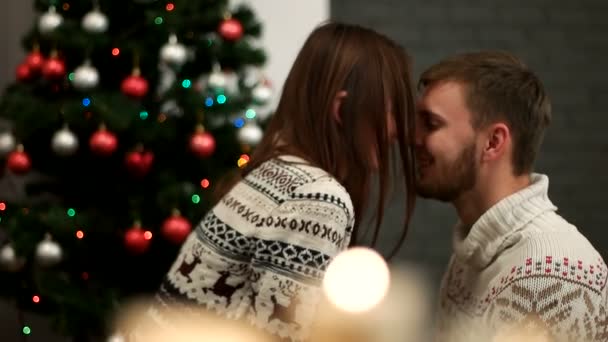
(566, 43)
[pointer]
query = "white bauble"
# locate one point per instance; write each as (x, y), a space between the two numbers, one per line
(86, 77)
(250, 134)
(173, 52)
(49, 21)
(64, 142)
(7, 143)
(48, 252)
(95, 22)
(262, 93)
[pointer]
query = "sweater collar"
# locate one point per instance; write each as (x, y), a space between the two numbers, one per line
(495, 230)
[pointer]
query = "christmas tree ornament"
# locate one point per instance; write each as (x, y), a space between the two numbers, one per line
(139, 162)
(95, 21)
(103, 142)
(217, 79)
(173, 53)
(230, 29)
(54, 67)
(9, 260)
(7, 143)
(24, 73)
(262, 93)
(49, 21)
(64, 142)
(48, 252)
(176, 228)
(250, 134)
(35, 60)
(137, 240)
(18, 161)
(86, 76)
(134, 85)
(202, 143)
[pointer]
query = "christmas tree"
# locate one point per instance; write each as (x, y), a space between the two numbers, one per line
(123, 117)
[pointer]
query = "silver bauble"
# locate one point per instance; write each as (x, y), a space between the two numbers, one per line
(262, 93)
(48, 252)
(64, 142)
(9, 260)
(250, 134)
(173, 52)
(86, 77)
(49, 21)
(7, 143)
(95, 22)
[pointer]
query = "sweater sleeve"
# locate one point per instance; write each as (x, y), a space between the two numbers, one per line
(294, 245)
(565, 300)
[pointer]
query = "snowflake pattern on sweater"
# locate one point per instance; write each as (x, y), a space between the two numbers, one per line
(523, 267)
(260, 254)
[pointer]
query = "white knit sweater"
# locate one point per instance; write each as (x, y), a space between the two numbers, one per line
(523, 266)
(259, 255)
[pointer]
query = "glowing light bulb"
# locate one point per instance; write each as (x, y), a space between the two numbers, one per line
(356, 280)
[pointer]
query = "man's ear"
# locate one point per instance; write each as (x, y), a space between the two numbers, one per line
(499, 136)
(337, 104)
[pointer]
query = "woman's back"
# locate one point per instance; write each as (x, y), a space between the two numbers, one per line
(266, 243)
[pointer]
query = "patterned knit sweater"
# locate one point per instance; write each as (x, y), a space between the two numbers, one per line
(523, 266)
(259, 255)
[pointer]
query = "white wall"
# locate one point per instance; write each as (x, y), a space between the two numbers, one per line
(286, 24)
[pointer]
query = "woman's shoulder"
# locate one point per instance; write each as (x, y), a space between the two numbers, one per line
(295, 178)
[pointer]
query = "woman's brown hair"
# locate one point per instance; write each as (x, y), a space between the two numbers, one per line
(375, 73)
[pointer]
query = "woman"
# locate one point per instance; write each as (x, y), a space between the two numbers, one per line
(259, 255)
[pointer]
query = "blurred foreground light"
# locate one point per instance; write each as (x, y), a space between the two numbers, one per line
(356, 280)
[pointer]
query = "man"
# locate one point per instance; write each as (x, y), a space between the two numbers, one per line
(516, 263)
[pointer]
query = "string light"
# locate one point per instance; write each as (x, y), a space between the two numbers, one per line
(71, 212)
(250, 113)
(143, 115)
(186, 83)
(86, 102)
(238, 123)
(162, 117)
(158, 20)
(196, 199)
(115, 51)
(66, 6)
(170, 7)
(209, 101)
(147, 235)
(80, 234)
(221, 99)
(71, 76)
(27, 330)
(36, 299)
(2, 206)
(243, 160)
(205, 183)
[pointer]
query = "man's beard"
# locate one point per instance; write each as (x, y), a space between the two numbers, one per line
(449, 183)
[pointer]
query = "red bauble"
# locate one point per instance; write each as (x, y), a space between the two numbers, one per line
(202, 143)
(176, 228)
(34, 61)
(134, 85)
(137, 240)
(53, 69)
(18, 161)
(139, 162)
(103, 142)
(24, 73)
(231, 29)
